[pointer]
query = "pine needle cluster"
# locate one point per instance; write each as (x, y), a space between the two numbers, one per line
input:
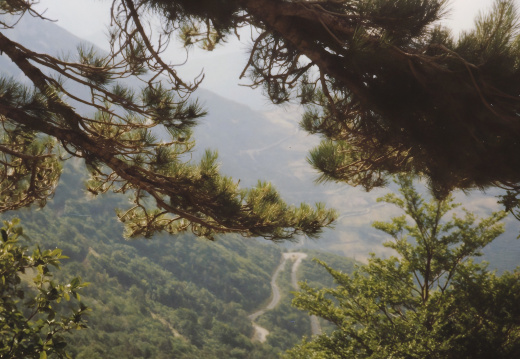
(134, 137)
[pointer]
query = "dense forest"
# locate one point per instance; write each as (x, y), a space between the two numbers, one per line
(392, 94)
(180, 296)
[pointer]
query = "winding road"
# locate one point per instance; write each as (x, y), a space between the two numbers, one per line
(261, 333)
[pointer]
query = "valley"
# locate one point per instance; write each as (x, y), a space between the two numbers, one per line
(187, 297)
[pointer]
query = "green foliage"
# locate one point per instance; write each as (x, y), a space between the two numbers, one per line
(388, 88)
(432, 301)
(30, 172)
(33, 319)
(183, 297)
(285, 323)
(315, 275)
(395, 92)
(133, 128)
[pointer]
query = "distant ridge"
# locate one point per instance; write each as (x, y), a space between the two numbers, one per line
(255, 145)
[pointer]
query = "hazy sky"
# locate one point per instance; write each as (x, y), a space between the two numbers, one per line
(88, 18)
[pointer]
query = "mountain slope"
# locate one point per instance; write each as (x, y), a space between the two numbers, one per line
(269, 146)
(173, 295)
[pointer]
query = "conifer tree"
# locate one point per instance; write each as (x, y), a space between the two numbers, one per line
(431, 300)
(388, 88)
(40, 130)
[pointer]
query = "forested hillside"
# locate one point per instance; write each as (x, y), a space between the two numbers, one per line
(268, 146)
(179, 296)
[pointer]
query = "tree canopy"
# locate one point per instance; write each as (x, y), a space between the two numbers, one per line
(388, 88)
(118, 137)
(33, 321)
(432, 300)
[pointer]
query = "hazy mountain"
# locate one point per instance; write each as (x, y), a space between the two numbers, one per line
(255, 145)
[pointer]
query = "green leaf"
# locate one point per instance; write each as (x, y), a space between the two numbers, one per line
(74, 282)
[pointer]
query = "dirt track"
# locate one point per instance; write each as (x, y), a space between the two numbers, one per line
(261, 333)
